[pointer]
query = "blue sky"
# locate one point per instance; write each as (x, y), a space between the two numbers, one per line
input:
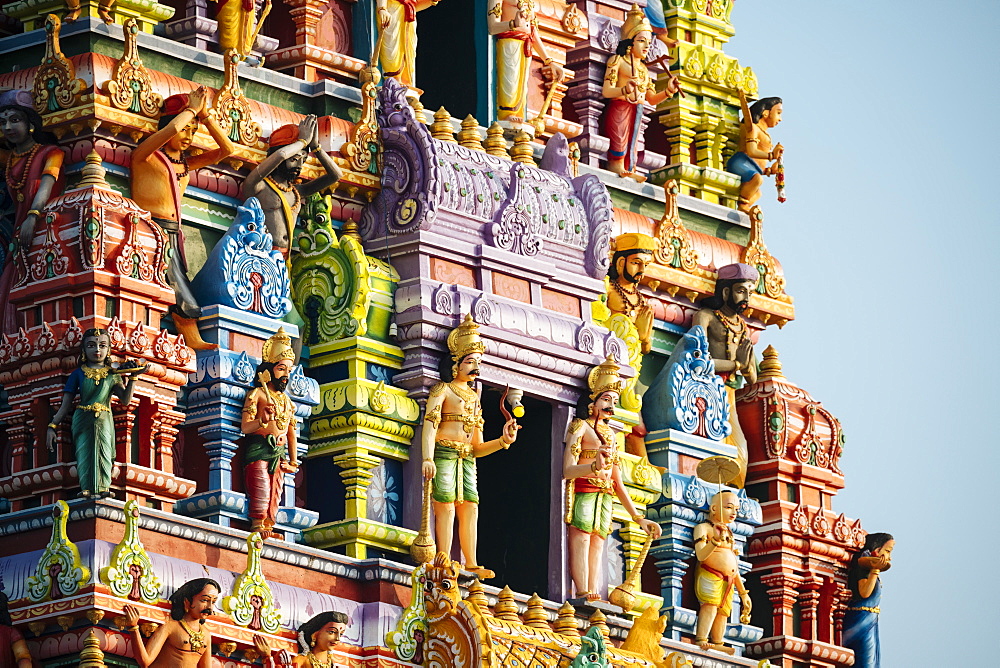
(888, 242)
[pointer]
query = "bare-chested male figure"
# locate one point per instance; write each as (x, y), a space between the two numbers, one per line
(182, 642)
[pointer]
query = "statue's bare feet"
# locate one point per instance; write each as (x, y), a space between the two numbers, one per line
(72, 15)
(105, 15)
(481, 573)
(514, 120)
(702, 643)
(722, 647)
(593, 596)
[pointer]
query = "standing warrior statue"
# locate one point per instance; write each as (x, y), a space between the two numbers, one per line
(269, 425)
(729, 343)
(452, 439)
(593, 478)
(755, 148)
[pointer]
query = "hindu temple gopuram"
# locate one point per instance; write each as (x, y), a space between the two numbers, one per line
(405, 333)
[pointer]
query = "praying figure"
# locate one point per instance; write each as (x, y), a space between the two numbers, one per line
(182, 641)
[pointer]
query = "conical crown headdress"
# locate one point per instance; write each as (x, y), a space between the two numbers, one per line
(635, 22)
(604, 378)
(464, 339)
(278, 347)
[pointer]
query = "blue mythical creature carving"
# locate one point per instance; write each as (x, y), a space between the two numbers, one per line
(593, 651)
(244, 271)
(688, 395)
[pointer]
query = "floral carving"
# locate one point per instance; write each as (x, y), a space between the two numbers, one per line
(132, 260)
(252, 602)
(514, 230)
(56, 86)
(362, 150)
(49, 260)
(675, 249)
(231, 109)
(130, 572)
(129, 87)
(59, 572)
(756, 255)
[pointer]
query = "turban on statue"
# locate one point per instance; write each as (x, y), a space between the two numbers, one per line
(284, 136)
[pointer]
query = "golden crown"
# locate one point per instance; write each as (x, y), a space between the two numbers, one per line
(464, 339)
(278, 347)
(635, 22)
(634, 241)
(604, 378)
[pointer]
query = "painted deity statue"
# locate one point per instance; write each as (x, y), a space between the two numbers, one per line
(593, 478)
(239, 25)
(317, 637)
(269, 424)
(13, 650)
(33, 174)
(161, 170)
(861, 618)
(95, 381)
(453, 439)
(104, 9)
(397, 21)
(275, 181)
(717, 573)
(633, 252)
(629, 88)
(515, 26)
(182, 641)
(756, 148)
(729, 343)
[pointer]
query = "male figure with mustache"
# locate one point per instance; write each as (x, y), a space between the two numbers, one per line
(274, 182)
(452, 440)
(593, 478)
(269, 425)
(633, 252)
(729, 342)
(181, 642)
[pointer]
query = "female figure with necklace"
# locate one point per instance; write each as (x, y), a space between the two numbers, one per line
(93, 427)
(182, 641)
(755, 148)
(729, 343)
(317, 638)
(33, 174)
(161, 170)
(861, 619)
(593, 478)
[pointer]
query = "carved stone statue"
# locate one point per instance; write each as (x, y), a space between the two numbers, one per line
(275, 181)
(515, 26)
(593, 478)
(181, 641)
(717, 573)
(861, 618)
(269, 424)
(729, 342)
(453, 439)
(13, 650)
(755, 148)
(33, 174)
(161, 170)
(629, 88)
(317, 637)
(397, 20)
(633, 252)
(239, 24)
(95, 381)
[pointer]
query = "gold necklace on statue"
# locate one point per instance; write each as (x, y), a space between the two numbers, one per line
(95, 374)
(197, 640)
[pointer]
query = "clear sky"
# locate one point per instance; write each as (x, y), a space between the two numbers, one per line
(889, 244)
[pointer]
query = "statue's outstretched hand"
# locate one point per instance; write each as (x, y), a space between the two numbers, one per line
(131, 616)
(651, 527)
(429, 469)
(510, 430)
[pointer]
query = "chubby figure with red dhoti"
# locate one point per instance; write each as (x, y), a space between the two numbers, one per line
(269, 425)
(629, 88)
(514, 24)
(33, 175)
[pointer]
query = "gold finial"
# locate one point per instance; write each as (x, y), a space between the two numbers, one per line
(469, 136)
(418, 109)
(442, 128)
(93, 171)
(770, 367)
(477, 595)
(535, 615)
(506, 608)
(350, 229)
(91, 656)
(566, 623)
(521, 151)
(495, 143)
(600, 620)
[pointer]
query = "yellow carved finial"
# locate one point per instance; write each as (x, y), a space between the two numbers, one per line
(91, 656)
(521, 151)
(469, 136)
(600, 620)
(442, 128)
(477, 595)
(770, 367)
(566, 623)
(535, 615)
(418, 109)
(495, 143)
(93, 171)
(506, 608)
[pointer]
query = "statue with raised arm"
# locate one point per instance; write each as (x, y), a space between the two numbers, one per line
(718, 573)
(756, 148)
(397, 20)
(269, 424)
(33, 175)
(13, 650)
(161, 170)
(182, 641)
(317, 637)
(95, 381)
(629, 88)
(515, 26)
(729, 343)
(861, 618)
(452, 440)
(593, 480)
(275, 181)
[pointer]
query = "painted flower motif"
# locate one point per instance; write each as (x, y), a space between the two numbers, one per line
(383, 496)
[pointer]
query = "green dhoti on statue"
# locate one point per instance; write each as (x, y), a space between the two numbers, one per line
(455, 479)
(590, 508)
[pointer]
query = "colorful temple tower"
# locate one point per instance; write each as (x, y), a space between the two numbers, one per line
(574, 218)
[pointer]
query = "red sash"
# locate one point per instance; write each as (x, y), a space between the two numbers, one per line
(525, 39)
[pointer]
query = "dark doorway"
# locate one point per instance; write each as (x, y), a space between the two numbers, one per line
(514, 492)
(446, 58)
